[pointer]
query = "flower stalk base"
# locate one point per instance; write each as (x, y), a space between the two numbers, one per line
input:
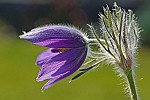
(131, 85)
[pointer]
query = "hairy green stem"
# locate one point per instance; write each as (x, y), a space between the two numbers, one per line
(132, 85)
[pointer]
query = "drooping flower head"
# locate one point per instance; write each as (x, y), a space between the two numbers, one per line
(67, 51)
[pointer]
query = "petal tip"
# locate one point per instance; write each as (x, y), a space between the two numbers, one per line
(23, 35)
(23, 32)
(46, 86)
(43, 89)
(38, 79)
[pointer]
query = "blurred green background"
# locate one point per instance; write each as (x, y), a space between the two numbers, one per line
(17, 57)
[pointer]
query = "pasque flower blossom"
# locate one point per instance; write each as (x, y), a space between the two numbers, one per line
(67, 51)
(116, 44)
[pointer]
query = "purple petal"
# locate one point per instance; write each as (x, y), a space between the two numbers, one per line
(65, 74)
(45, 56)
(56, 36)
(61, 43)
(61, 63)
(52, 81)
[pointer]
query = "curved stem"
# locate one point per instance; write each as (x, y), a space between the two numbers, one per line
(132, 86)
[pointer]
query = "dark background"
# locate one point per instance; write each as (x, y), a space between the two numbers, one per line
(27, 14)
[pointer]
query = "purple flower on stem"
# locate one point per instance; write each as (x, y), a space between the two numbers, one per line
(67, 51)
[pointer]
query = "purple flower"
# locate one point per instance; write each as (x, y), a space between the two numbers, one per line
(67, 51)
